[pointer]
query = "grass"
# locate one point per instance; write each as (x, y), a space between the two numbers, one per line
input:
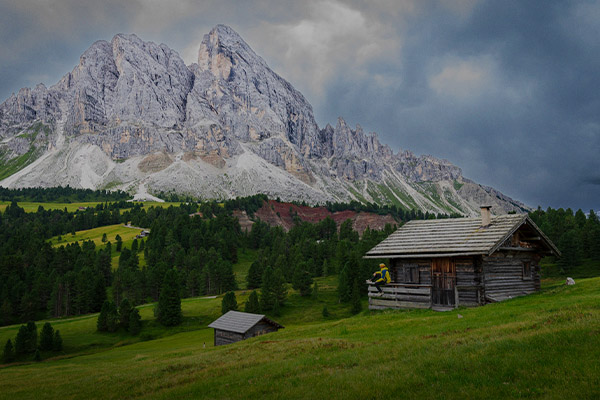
(546, 345)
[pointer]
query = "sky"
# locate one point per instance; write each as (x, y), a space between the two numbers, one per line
(507, 90)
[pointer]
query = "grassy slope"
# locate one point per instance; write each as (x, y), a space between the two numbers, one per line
(545, 345)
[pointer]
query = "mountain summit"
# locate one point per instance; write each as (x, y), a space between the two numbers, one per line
(131, 115)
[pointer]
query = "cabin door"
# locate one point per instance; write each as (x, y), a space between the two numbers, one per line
(443, 279)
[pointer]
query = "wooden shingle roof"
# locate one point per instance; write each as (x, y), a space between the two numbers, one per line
(240, 322)
(454, 237)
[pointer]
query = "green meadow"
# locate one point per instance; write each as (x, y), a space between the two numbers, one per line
(545, 345)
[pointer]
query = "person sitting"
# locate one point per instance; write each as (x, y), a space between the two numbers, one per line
(381, 278)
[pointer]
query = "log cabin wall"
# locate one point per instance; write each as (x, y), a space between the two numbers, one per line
(468, 281)
(509, 273)
(260, 329)
(416, 271)
(225, 337)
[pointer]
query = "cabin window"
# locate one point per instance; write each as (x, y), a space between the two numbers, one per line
(526, 270)
(411, 273)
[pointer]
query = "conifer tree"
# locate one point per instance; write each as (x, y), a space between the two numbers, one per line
(9, 352)
(32, 337)
(101, 323)
(254, 277)
(356, 304)
(280, 287)
(37, 356)
(119, 242)
(57, 343)
(112, 318)
(252, 305)
(21, 340)
(169, 303)
(229, 303)
(46, 337)
(325, 312)
(267, 291)
(124, 310)
(276, 309)
(344, 287)
(302, 280)
(135, 325)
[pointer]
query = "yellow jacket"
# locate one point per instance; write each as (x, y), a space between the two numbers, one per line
(384, 275)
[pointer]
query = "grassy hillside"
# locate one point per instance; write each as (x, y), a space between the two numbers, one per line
(545, 345)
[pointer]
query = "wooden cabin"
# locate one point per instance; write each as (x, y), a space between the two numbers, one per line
(446, 263)
(235, 326)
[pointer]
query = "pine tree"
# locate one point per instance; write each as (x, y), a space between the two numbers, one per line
(101, 324)
(135, 325)
(344, 287)
(302, 280)
(119, 242)
(276, 309)
(32, 337)
(21, 340)
(229, 303)
(267, 293)
(356, 304)
(254, 277)
(252, 305)
(57, 343)
(9, 352)
(112, 318)
(169, 302)
(124, 310)
(46, 337)
(325, 312)
(37, 357)
(280, 287)
(104, 238)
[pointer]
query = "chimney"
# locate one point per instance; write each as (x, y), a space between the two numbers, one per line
(486, 216)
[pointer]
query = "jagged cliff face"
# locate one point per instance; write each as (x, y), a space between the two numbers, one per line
(133, 116)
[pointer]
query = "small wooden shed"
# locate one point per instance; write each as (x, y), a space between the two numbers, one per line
(446, 263)
(235, 326)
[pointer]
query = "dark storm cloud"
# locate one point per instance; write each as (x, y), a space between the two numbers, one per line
(506, 90)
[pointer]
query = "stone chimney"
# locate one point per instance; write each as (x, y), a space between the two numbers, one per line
(486, 216)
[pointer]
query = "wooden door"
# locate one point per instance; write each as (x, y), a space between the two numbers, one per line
(443, 280)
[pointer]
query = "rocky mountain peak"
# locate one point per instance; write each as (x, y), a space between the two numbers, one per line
(131, 114)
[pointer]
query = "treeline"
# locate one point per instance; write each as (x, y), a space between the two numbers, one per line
(576, 234)
(398, 212)
(61, 195)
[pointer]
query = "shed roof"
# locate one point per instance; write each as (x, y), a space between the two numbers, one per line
(240, 322)
(454, 237)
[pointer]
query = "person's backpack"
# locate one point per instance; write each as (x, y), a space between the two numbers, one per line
(387, 277)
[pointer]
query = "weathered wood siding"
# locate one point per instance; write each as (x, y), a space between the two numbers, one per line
(226, 337)
(398, 295)
(399, 266)
(503, 274)
(260, 329)
(468, 281)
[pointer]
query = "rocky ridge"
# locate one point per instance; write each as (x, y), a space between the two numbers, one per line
(131, 114)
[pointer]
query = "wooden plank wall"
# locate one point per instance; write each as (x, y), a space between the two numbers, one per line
(260, 329)
(226, 337)
(468, 281)
(397, 270)
(400, 296)
(503, 275)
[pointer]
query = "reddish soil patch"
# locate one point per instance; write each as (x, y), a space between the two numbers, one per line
(282, 214)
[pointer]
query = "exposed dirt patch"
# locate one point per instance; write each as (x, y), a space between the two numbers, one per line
(155, 162)
(283, 214)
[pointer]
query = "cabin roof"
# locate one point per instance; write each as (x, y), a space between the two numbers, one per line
(455, 237)
(240, 322)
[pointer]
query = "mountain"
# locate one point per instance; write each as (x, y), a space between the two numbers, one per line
(131, 115)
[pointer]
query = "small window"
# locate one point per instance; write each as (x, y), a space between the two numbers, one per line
(526, 270)
(411, 274)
